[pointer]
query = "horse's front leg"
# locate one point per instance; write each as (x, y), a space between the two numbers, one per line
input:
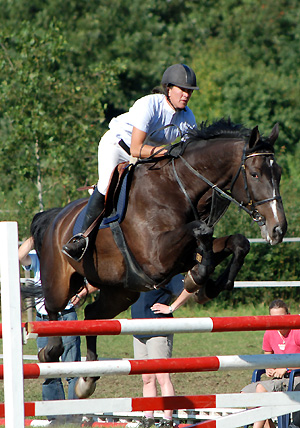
(236, 245)
(54, 348)
(204, 256)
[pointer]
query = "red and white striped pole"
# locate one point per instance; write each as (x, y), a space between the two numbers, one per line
(165, 326)
(171, 365)
(263, 406)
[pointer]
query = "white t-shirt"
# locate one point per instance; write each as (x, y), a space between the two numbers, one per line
(150, 113)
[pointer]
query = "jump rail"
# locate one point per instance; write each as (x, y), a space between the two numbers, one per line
(170, 365)
(14, 388)
(159, 325)
(282, 402)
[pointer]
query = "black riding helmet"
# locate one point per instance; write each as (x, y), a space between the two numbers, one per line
(179, 75)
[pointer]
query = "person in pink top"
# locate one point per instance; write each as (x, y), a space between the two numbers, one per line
(276, 342)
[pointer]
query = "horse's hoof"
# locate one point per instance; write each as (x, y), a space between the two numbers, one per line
(85, 387)
(200, 296)
(41, 355)
(50, 354)
(229, 285)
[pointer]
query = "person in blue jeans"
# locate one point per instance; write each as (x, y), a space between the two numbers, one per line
(53, 389)
(157, 304)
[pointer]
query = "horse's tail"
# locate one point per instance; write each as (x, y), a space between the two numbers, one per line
(39, 225)
(29, 289)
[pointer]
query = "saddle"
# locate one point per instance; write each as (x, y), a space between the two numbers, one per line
(118, 190)
(115, 200)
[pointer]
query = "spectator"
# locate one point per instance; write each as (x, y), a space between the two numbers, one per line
(53, 389)
(276, 342)
(157, 304)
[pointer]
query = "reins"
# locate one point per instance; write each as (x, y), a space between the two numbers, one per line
(146, 141)
(254, 214)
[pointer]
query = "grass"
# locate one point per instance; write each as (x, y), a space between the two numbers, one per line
(185, 345)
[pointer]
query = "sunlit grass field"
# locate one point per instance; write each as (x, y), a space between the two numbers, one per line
(185, 345)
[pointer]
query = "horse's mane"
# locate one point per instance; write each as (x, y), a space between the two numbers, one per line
(225, 128)
(222, 128)
(39, 225)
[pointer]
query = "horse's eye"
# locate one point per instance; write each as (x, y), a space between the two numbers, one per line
(254, 175)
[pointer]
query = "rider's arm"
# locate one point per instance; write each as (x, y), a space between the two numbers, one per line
(137, 139)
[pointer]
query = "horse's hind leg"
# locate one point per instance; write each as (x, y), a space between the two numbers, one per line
(56, 299)
(110, 302)
(54, 348)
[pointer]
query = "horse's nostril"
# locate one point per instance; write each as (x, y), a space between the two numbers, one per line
(277, 232)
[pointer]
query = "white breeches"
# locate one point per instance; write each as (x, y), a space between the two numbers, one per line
(110, 154)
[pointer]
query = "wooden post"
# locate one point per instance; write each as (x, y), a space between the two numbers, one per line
(11, 326)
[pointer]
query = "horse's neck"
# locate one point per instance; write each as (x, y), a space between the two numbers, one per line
(218, 160)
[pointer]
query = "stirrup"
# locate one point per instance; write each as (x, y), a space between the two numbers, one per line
(76, 253)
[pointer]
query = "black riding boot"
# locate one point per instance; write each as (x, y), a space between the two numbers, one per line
(77, 245)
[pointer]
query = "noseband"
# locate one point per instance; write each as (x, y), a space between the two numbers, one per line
(250, 206)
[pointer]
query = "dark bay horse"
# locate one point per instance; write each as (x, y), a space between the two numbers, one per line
(168, 227)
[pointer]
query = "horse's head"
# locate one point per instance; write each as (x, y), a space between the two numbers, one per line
(259, 180)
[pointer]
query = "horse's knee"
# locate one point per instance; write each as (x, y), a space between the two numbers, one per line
(239, 245)
(203, 232)
(200, 296)
(50, 353)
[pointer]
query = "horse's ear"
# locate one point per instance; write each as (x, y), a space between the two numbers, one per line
(254, 137)
(274, 134)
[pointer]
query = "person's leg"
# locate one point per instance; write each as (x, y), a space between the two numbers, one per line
(167, 390)
(78, 244)
(149, 390)
(71, 353)
(149, 380)
(263, 424)
(52, 389)
(110, 154)
(161, 347)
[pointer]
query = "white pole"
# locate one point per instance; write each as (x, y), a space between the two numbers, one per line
(11, 326)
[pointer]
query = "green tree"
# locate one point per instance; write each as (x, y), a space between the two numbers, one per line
(46, 105)
(67, 67)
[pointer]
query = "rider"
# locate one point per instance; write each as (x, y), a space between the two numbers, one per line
(127, 134)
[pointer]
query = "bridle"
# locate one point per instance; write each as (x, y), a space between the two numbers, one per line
(250, 206)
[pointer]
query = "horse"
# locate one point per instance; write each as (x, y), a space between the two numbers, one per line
(173, 205)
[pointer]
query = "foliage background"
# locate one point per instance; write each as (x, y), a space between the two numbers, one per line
(66, 68)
